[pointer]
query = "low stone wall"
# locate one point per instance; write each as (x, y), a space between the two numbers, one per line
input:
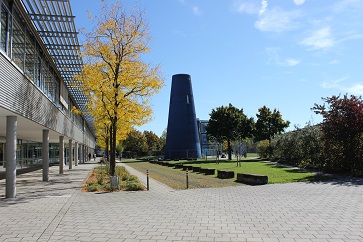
(190, 168)
(196, 168)
(223, 174)
(252, 179)
(207, 171)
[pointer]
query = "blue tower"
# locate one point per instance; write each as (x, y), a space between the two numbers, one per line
(182, 140)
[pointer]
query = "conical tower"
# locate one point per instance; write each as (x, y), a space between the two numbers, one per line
(182, 140)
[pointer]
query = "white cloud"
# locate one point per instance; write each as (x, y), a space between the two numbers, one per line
(334, 62)
(334, 83)
(196, 11)
(351, 36)
(342, 5)
(275, 58)
(292, 62)
(355, 89)
(299, 2)
(245, 7)
(263, 8)
(277, 20)
(320, 39)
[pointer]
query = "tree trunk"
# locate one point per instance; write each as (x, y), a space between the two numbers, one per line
(112, 148)
(107, 144)
(229, 149)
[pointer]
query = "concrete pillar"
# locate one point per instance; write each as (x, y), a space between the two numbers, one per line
(76, 154)
(10, 158)
(84, 153)
(45, 155)
(4, 163)
(61, 154)
(70, 155)
(81, 154)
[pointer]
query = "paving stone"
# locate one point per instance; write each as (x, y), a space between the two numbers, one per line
(58, 211)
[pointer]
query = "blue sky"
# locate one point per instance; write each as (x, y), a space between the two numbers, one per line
(285, 54)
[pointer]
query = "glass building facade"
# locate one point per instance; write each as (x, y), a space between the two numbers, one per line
(22, 45)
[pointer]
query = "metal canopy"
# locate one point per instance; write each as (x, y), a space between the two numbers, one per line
(54, 22)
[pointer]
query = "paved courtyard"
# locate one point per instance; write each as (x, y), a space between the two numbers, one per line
(58, 211)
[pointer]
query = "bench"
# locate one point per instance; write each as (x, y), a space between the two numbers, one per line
(223, 174)
(196, 168)
(190, 168)
(252, 179)
(178, 166)
(207, 171)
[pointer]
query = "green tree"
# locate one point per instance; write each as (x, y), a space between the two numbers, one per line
(135, 143)
(228, 124)
(153, 141)
(300, 147)
(268, 124)
(163, 140)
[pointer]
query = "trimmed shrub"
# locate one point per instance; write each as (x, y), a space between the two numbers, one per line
(263, 148)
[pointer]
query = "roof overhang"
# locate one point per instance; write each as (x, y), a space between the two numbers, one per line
(54, 22)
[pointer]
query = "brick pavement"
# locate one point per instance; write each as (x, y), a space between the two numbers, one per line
(58, 211)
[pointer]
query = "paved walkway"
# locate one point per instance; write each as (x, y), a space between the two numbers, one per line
(59, 211)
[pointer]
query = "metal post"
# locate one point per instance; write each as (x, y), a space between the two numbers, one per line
(187, 178)
(147, 180)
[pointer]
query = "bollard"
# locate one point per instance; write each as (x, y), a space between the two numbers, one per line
(147, 180)
(187, 178)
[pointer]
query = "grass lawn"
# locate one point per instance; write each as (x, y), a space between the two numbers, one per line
(175, 178)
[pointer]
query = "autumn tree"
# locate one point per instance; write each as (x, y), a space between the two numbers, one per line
(116, 81)
(135, 143)
(228, 124)
(342, 133)
(153, 141)
(268, 124)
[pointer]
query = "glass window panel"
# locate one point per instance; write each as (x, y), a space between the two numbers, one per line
(4, 29)
(18, 44)
(30, 57)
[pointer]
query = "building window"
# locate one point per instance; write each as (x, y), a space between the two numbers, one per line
(4, 29)
(18, 44)
(30, 57)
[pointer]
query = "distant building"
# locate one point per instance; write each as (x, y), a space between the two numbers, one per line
(208, 147)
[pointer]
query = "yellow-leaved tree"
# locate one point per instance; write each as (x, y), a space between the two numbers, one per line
(116, 81)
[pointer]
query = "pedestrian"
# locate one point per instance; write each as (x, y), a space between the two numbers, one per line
(89, 156)
(94, 156)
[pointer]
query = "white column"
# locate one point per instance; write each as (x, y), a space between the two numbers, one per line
(61, 154)
(76, 153)
(70, 155)
(45, 155)
(10, 158)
